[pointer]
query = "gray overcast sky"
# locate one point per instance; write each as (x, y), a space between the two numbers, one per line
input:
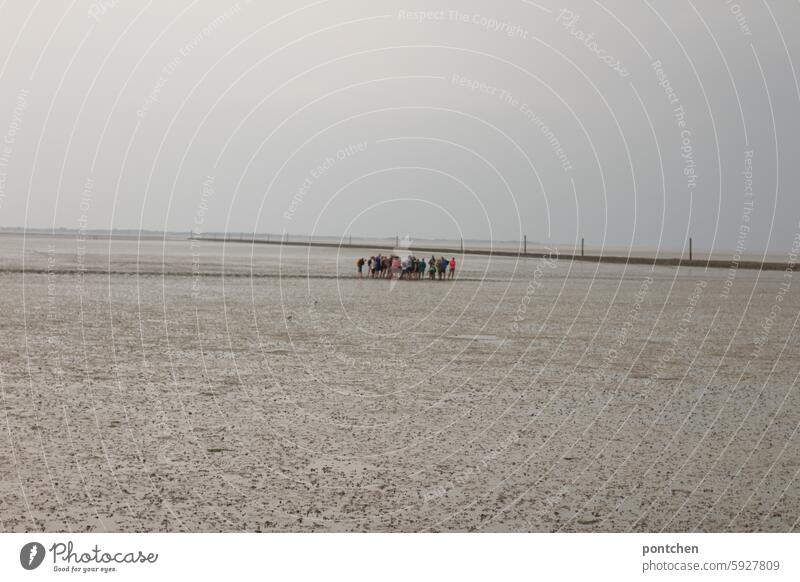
(633, 123)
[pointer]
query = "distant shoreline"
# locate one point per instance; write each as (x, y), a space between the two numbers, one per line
(616, 259)
(445, 248)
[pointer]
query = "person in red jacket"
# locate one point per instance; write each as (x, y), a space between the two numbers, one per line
(452, 272)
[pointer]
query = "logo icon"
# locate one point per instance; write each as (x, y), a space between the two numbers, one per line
(31, 555)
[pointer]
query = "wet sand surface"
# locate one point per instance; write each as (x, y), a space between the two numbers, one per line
(211, 387)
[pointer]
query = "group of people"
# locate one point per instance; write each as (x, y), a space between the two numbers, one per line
(411, 268)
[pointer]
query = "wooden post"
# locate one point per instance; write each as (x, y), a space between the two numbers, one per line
(525, 244)
(581, 246)
(690, 248)
(462, 245)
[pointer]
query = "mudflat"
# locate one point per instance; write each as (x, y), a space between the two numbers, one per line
(171, 385)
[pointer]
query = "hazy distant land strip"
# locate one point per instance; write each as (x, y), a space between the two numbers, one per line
(194, 274)
(478, 248)
(633, 260)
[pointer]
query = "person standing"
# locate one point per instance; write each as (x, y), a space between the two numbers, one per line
(360, 264)
(443, 262)
(378, 266)
(452, 272)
